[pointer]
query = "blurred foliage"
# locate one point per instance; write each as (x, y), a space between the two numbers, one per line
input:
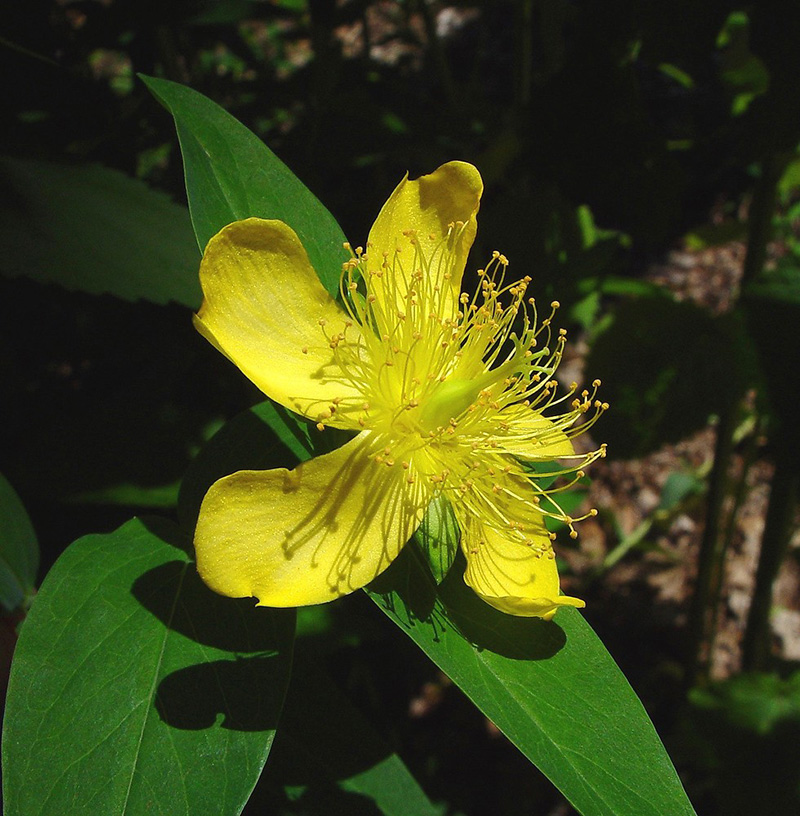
(666, 367)
(745, 733)
(95, 230)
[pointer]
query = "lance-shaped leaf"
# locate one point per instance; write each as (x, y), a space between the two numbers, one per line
(134, 689)
(231, 174)
(19, 550)
(550, 686)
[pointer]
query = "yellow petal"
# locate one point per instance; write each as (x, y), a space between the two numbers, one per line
(510, 575)
(428, 205)
(526, 434)
(306, 536)
(262, 307)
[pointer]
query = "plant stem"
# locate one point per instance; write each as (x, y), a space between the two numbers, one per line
(762, 208)
(783, 492)
(774, 543)
(727, 537)
(709, 563)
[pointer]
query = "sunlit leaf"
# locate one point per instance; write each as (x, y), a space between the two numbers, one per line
(231, 174)
(135, 689)
(550, 686)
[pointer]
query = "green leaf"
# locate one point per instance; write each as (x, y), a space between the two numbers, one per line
(679, 75)
(438, 537)
(781, 284)
(309, 763)
(19, 551)
(771, 304)
(231, 174)
(754, 702)
(135, 689)
(89, 228)
(710, 235)
(550, 686)
(679, 485)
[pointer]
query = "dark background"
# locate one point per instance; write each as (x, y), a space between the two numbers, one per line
(610, 136)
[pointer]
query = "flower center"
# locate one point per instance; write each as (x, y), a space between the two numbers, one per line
(428, 357)
(447, 402)
(456, 387)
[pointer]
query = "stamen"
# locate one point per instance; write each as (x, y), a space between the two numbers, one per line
(440, 370)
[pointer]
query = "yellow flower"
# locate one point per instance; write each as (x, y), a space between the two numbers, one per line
(445, 391)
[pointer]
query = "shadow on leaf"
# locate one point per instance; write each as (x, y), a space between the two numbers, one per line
(309, 771)
(174, 593)
(244, 679)
(246, 691)
(487, 628)
(409, 594)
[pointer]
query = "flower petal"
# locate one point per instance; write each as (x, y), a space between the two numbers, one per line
(309, 535)
(512, 576)
(528, 435)
(263, 308)
(428, 206)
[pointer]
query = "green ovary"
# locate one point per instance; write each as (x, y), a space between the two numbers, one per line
(450, 399)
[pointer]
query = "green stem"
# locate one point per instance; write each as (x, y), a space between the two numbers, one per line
(783, 493)
(727, 537)
(709, 558)
(762, 208)
(774, 543)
